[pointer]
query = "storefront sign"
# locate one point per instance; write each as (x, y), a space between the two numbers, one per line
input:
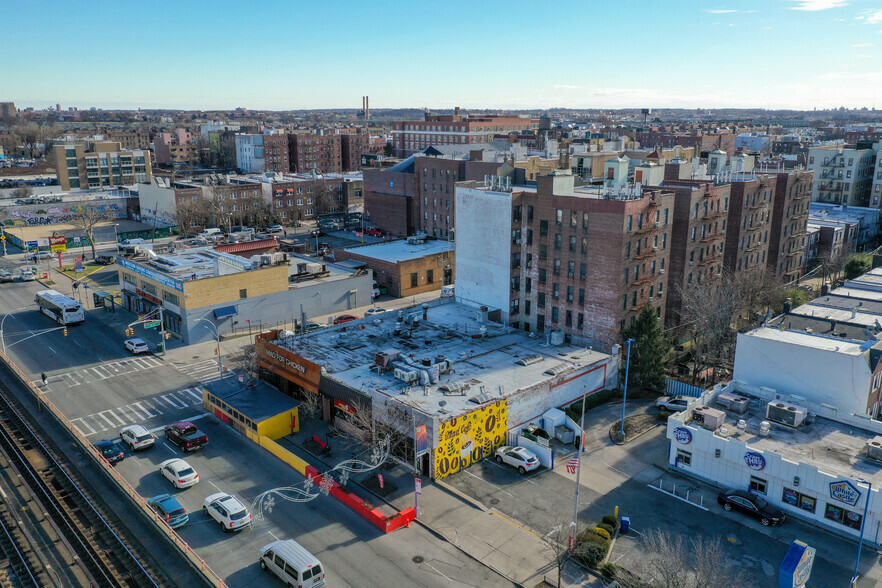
(148, 273)
(149, 297)
(422, 440)
(282, 362)
(683, 435)
(470, 437)
(57, 243)
(347, 408)
(754, 461)
(796, 568)
(845, 491)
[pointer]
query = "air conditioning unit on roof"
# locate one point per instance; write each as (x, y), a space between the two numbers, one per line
(711, 418)
(734, 402)
(786, 414)
(874, 448)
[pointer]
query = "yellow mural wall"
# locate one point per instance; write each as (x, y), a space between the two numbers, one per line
(470, 438)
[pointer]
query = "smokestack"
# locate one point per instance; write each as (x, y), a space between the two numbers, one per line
(367, 107)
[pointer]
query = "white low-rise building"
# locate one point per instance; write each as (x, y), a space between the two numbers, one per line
(812, 467)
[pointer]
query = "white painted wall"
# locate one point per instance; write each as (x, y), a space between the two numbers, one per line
(821, 376)
(155, 198)
(483, 248)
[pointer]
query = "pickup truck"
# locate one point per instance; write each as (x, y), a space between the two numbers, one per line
(186, 436)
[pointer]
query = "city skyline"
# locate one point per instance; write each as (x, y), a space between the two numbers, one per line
(799, 54)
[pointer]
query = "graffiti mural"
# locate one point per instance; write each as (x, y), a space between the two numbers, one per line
(470, 438)
(54, 215)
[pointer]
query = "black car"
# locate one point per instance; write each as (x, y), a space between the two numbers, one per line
(752, 505)
(110, 450)
(105, 259)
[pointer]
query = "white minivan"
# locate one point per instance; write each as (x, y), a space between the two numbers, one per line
(292, 564)
(212, 232)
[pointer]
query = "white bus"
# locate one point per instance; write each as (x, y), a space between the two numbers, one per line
(65, 311)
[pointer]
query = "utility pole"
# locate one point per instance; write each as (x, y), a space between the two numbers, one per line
(579, 470)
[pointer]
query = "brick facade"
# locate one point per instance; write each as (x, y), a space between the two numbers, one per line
(309, 152)
(749, 223)
(787, 250)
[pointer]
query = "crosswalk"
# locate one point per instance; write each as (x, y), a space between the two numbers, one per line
(103, 371)
(157, 406)
(202, 371)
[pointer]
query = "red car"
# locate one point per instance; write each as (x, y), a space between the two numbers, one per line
(186, 436)
(374, 232)
(344, 318)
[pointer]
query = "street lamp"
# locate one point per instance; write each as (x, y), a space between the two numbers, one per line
(2, 339)
(857, 560)
(220, 371)
(625, 394)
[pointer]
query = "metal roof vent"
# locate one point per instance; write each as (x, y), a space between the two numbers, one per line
(530, 359)
(559, 369)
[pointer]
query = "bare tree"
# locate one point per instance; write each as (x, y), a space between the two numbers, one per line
(192, 214)
(21, 191)
(669, 560)
(557, 547)
(85, 217)
(372, 423)
(322, 196)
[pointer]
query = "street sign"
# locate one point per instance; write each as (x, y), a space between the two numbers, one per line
(418, 485)
(151, 325)
(78, 263)
(31, 245)
(381, 480)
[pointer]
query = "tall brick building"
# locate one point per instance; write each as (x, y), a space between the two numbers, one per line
(790, 212)
(749, 222)
(580, 261)
(352, 146)
(308, 152)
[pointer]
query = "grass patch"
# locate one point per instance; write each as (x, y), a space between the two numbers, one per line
(88, 268)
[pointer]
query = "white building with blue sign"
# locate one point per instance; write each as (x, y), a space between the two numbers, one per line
(812, 461)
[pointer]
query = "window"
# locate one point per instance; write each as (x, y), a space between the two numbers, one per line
(630, 222)
(542, 276)
(571, 269)
(584, 220)
(683, 458)
(540, 301)
(799, 500)
(527, 307)
(414, 280)
(568, 320)
(173, 298)
(554, 314)
(570, 291)
(529, 213)
(574, 218)
(843, 516)
(543, 227)
(243, 293)
(628, 250)
(430, 276)
(515, 260)
(572, 243)
(624, 302)
(147, 287)
(556, 269)
(582, 271)
(515, 306)
(558, 217)
(543, 252)
(758, 485)
(528, 285)
(557, 242)
(529, 236)
(555, 290)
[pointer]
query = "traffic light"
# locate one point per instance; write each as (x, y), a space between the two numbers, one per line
(215, 351)
(65, 331)
(168, 335)
(130, 332)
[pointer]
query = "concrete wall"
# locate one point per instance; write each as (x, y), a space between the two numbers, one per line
(483, 248)
(162, 201)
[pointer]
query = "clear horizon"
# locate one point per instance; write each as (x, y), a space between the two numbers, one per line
(787, 54)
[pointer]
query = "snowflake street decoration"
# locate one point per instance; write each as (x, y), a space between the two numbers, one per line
(326, 484)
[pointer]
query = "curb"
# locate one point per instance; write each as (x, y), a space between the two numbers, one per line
(462, 496)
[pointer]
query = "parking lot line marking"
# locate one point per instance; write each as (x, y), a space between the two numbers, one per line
(438, 571)
(488, 483)
(273, 535)
(215, 485)
(170, 448)
(153, 405)
(85, 424)
(147, 412)
(123, 412)
(50, 349)
(615, 469)
(100, 375)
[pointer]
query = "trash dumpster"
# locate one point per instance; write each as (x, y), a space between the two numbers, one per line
(626, 524)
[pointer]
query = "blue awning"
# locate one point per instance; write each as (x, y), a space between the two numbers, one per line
(225, 312)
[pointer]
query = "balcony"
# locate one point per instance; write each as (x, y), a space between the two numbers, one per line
(711, 238)
(648, 279)
(708, 261)
(648, 253)
(647, 228)
(716, 215)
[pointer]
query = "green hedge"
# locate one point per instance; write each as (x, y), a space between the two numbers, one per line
(591, 554)
(608, 528)
(574, 411)
(611, 520)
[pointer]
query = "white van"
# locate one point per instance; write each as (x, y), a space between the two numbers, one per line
(292, 564)
(210, 232)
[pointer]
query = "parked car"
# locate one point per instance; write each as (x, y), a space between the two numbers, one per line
(277, 228)
(136, 346)
(105, 259)
(6, 276)
(186, 436)
(227, 510)
(522, 459)
(170, 509)
(374, 310)
(375, 293)
(26, 275)
(38, 255)
(110, 450)
(317, 233)
(751, 504)
(241, 229)
(374, 232)
(344, 318)
(672, 403)
(180, 473)
(137, 437)
(310, 327)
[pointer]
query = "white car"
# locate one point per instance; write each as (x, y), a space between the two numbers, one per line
(522, 459)
(137, 437)
(26, 275)
(374, 310)
(38, 255)
(227, 510)
(179, 473)
(274, 229)
(672, 403)
(136, 346)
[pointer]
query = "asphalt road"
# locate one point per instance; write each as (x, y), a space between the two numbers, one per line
(101, 388)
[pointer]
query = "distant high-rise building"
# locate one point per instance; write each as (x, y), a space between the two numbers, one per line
(8, 110)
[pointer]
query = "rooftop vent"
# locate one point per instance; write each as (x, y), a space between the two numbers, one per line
(559, 369)
(874, 448)
(735, 403)
(530, 359)
(786, 414)
(454, 388)
(711, 418)
(482, 398)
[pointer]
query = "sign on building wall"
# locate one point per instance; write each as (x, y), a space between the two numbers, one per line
(148, 273)
(469, 438)
(683, 435)
(280, 361)
(422, 440)
(754, 460)
(845, 491)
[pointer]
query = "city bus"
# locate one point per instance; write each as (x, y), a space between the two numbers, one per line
(65, 311)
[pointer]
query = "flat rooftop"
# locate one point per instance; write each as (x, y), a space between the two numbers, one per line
(194, 264)
(853, 315)
(809, 324)
(812, 340)
(859, 293)
(255, 399)
(832, 447)
(401, 250)
(486, 363)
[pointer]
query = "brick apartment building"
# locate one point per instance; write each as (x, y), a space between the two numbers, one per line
(308, 152)
(277, 155)
(749, 222)
(100, 164)
(406, 267)
(697, 239)
(581, 261)
(790, 212)
(703, 141)
(131, 139)
(352, 146)
(175, 147)
(297, 197)
(265, 152)
(454, 129)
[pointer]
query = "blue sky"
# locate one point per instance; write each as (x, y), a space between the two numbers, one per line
(479, 53)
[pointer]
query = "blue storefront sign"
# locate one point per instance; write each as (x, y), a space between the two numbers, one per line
(164, 280)
(845, 491)
(796, 567)
(683, 435)
(31, 245)
(754, 460)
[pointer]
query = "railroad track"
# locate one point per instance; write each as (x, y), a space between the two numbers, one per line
(80, 528)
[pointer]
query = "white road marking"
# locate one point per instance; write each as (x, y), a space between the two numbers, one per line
(196, 396)
(50, 349)
(273, 535)
(100, 375)
(149, 414)
(85, 424)
(215, 485)
(78, 343)
(131, 408)
(170, 448)
(486, 482)
(3, 493)
(154, 406)
(112, 424)
(438, 571)
(181, 405)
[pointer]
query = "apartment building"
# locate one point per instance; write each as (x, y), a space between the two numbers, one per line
(554, 258)
(454, 129)
(308, 152)
(131, 139)
(352, 146)
(297, 197)
(175, 147)
(790, 213)
(843, 175)
(265, 152)
(698, 237)
(876, 191)
(701, 140)
(100, 165)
